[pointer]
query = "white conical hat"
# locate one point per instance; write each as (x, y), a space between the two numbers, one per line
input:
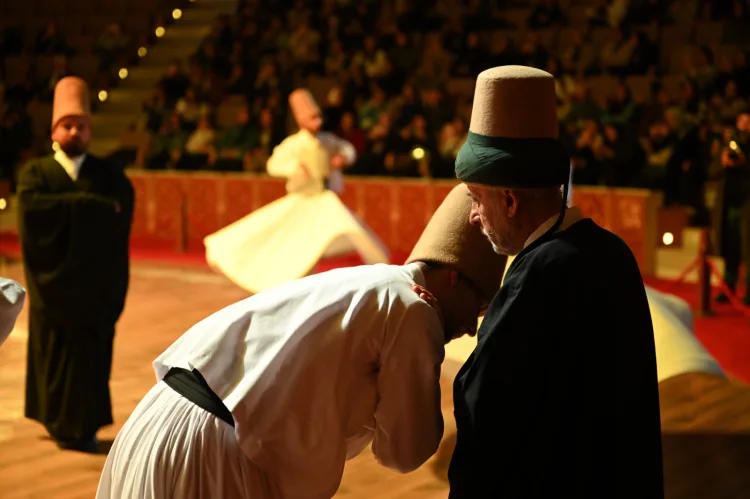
(71, 99)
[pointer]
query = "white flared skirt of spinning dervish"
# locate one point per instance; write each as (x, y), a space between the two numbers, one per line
(678, 351)
(284, 240)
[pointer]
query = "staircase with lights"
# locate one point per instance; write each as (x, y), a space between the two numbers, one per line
(122, 106)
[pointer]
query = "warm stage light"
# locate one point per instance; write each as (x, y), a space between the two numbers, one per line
(667, 238)
(103, 95)
(142, 52)
(123, 73)
(176, 14)
(3, 203)
(417, 153)
(160, 31)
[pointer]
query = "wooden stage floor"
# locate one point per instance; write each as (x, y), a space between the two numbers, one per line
(706, 420)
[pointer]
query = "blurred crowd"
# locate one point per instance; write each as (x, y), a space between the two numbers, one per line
(386, 75)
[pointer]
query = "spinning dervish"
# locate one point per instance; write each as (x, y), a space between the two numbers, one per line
(285, 239)
(12, 298)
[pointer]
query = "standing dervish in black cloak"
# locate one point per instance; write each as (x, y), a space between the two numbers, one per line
(560, 398)
(75, 214)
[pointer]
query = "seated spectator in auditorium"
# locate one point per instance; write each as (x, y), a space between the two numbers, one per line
(373, 60)
(582, 105)
(617, 52)
(370, 111)
(194, 155)
(435, 62)
(336, 60)
(701, 72)
(270, 134)
(473, 57)
(620, 109)
(174, 83)
(410, 151)
(164, 147)
(191, 110)
(201, 82)
(658, 146)
(572, 55)
(403, 55)
(407, 104)
(532, 52)
(304, 46)
(59, 71)
(333, 108)
(154, 110)
(452, 137)
(112, 46)
(436, 108)
(239, 81)
(267, 79)
(349, 131)
(619, 155)
(586, 167)
(546, 14)
(727, 105)
(233, 147)
(378, 140)
(504, 51)
(215, 62)
(50, 41)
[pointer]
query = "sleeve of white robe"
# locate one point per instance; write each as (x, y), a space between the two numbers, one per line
(345, 149)
(408, 418)
(12, 296)
(285, 158)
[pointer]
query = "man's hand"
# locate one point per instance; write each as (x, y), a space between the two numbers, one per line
(429, 298)
(338, 161)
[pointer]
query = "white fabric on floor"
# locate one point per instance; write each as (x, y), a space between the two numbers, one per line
(175, 438)
(678, 351)
(285, 239)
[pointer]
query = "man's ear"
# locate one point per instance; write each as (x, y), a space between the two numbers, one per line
(511, 202)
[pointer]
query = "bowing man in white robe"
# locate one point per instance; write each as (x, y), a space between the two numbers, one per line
(269, 397)
(283, 240)
(12, 297)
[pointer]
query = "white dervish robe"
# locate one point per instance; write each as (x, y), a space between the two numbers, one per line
(312, 371)
(283, 240)
(678, 351)
(12, 297)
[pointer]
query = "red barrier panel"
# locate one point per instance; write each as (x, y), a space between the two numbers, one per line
(177, 210)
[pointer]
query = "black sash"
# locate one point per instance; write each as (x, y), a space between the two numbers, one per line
(192, 386)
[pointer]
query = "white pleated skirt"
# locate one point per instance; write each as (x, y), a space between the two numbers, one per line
(170, 448)
(283, 241)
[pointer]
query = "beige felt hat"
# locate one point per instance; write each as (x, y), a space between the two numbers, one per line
(450, 239)
(512, 139)
(303, 105)
(515, 102)
(71, 99)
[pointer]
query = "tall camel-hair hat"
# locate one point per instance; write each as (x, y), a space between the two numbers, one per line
(450, 239)
(303, 105)
(512, 139)
(71, 99)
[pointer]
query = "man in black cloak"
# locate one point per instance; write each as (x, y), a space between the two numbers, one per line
(75, 214)
(560, 398)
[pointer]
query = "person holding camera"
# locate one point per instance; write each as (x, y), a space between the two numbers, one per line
(731, 217)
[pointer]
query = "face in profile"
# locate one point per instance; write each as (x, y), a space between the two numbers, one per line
(487, 211)
(73, 135)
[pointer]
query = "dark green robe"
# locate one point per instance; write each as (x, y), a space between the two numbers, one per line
(560, 397)
(74, 239)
